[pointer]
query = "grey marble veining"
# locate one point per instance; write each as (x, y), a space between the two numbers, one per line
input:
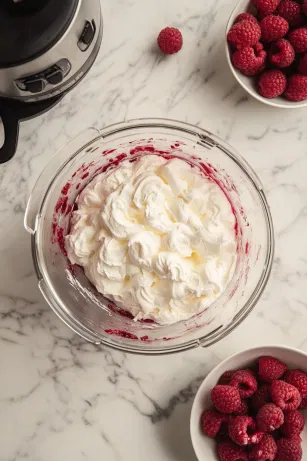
(63, 399)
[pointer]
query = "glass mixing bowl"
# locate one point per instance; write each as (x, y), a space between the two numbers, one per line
(66, 288)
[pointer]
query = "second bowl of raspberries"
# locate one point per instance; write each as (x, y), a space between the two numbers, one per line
(266, 46)
(252, 407)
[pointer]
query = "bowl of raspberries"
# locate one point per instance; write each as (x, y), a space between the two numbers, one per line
(252, 407)
(266, 46)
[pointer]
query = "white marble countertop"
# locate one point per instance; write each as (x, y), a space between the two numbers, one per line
(64, 400)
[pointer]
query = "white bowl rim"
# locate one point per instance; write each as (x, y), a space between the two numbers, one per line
(277, 102)
(263, 350)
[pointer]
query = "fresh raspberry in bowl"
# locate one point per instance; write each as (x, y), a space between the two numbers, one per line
(229, 451)
(270, 418)
(267, 431)
(292, 12)
(285, 396)
(266, 7)
(270, 369)
(243, 431)
(272, 83)
(298, 39)
(273, 28)
(294, 423)
(296, 88)
(265, 450)
(298, 379)
(289, 450)
(250, 60)
(281, 53)
(280, 46)
(244, 33)
(246, 17)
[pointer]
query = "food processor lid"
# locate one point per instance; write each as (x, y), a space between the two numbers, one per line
(28, 28)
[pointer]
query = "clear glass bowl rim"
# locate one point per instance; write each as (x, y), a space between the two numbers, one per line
(203, 136)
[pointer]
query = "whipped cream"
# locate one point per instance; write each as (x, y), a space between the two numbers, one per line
(156, 237)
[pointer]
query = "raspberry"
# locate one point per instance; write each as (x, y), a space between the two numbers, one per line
(211, 422)
(226, 377)
(243, 410)
(296, 88)
(284, 395)
(298, 379)
(292, 12)
(289, 450)
(269, 418)
(298, 39)
(303, 405)
(270, 369)
(245, 17)
(170, 40)
(266, 450)
(244, 33)
(245, 382)
(282, 53)
(226, 399)
(261, 397)
(266, 7)
(273, 28)
(250, 60)
(302, 67)
(294, 424)
(242, 430)
(272, 83)
(296, 438)
(228, 451)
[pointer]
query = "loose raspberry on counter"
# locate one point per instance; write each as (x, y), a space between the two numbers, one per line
(244, 33)
(294, 424)
(281, 53)
(292, 12)
(261, 397)
(246, 17)
(284, 395)
(170, 40)
(226, 377)
(272, 83)
(269, 418)
(229, 451)
(298, 39)
(270, 369)
(296, 91)
(266, 450)
(266, 7)
(273, 28)
(302, 67)
(226, 399)
(243, 431)
(250, 60)
(211, 422)
(298, 379)
(245, 382)
(289, 450)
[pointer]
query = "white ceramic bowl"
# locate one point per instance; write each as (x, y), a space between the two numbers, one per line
(205, 448)
(248, 83)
